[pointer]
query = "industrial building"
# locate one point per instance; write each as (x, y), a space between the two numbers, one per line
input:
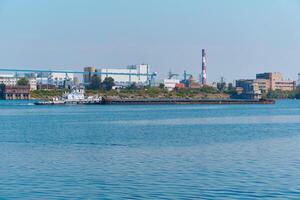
(12, 79)
(89, 72)
(39, 80)
(171, 83)
(60, 79)
(138, 74)
(51, 80)
(248, 89)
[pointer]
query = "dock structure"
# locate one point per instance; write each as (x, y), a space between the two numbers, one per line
(18, 92)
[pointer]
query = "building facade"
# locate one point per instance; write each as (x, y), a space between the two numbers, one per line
(170, 84)
(52, 80)
(248, 89)
(59, 79)
(274, 81)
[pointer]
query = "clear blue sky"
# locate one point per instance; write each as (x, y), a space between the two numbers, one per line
(241, 37)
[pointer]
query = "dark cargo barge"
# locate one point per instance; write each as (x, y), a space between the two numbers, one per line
(184, 101)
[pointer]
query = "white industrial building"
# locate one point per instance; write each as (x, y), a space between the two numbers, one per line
(138, 74)
(57, 79)
(12, 80)
(170, 84)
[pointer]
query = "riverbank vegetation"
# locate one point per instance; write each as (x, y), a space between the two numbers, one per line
(278, 94)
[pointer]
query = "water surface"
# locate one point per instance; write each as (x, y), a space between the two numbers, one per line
(149, 152)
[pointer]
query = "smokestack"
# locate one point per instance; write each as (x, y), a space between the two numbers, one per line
(203, 74)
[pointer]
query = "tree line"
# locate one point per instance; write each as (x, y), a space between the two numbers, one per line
(96, 83)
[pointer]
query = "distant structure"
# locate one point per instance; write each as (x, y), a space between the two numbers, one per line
(12, 79)
(203, 74)
(193, 83)
(89, 72)
(248, 89)
(271, 81)
(172, 81)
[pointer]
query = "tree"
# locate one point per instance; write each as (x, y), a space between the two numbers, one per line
(95, 83)
(2, 86)
(208, 89)
(297, 93)
(23, 81)
(132, 86)
(221, 86)
(108, 83)
(161, 86)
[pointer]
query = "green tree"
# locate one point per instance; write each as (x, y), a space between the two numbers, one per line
(297, 93)
(108, 83)
(2, 86)
(209, 89)
(161, 86)
(95, 83)
(23, 81)
(132, 86)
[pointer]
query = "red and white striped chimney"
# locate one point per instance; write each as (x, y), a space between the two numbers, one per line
(203, 74)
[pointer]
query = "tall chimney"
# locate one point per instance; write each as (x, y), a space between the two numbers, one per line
(203, 74)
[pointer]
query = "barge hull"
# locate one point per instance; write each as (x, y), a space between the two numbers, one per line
(185, 101)
(158, 101)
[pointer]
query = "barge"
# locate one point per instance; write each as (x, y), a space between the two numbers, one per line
(184, 101)
(77, 97)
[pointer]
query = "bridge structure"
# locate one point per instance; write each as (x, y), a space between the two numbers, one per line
(43, 73)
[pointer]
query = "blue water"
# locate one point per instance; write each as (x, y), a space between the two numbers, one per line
(149, 152)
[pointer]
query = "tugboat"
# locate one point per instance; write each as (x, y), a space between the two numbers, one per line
(76, 96)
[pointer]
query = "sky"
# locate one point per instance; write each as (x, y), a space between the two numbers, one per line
(241, 38)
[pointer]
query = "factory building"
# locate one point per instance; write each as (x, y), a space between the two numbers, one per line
(138, 74)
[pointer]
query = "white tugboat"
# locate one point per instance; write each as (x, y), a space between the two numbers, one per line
(74, 97)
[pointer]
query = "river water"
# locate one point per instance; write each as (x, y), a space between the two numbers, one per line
(149, 151)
